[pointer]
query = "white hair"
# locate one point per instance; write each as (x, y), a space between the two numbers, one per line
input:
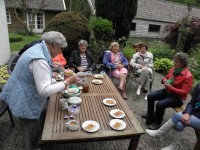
(54, 37)
(84, 42)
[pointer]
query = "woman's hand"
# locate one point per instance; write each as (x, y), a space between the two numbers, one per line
(185, 119)
(80, 69)
(72, 79)
(56, 64)
(120, 66)
(167, 85)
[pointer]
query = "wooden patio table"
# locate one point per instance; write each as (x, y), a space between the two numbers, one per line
(92, 108)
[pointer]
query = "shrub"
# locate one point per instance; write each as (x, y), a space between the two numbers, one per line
(161, 50)
(15, 38)
(74, 26)
(102, 28)
(162, 65)
(103, 35)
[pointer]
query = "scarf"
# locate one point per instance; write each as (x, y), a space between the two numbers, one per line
(175, 73)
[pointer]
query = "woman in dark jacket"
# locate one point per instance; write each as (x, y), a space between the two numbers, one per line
(82, 60)
(189, 117)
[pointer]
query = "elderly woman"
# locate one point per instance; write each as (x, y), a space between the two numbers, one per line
(116, 60)
(142, 63)
(177, 83)
(31, 83)
(189, 117)
(82, 60)
(137, 46)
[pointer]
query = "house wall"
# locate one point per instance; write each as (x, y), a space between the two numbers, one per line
(4, 40)
(17, 26)
(142, 27)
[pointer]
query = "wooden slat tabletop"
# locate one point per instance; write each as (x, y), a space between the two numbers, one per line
(91, 108)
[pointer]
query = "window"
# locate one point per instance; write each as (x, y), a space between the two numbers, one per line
(8, 17)
(133, 26)
(154, 28)
(38, 21)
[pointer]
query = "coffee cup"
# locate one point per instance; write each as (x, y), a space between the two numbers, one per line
(72, 125)
(63, 104)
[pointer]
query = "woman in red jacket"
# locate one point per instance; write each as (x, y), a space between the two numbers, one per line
(177, 83)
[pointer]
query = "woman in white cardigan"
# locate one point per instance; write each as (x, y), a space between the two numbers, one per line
(142, 63)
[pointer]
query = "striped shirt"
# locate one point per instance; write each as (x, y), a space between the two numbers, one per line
(84, 62)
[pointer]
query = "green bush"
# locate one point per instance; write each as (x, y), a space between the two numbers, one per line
(161, 50)
(194, 64)
(102, 28)
(162, 65)
(15, 38)
(74, 26)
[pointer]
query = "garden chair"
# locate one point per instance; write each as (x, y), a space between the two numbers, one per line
(3, 108)
(135, 77)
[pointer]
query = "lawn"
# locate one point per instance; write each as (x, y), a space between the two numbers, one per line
(16, 46)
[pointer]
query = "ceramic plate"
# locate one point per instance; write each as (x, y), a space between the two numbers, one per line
(98, 76)
(117, 113)
(96, 81)
(90, 126)
(109, 102)
(117, 124)
(74, 100)
(76, 92)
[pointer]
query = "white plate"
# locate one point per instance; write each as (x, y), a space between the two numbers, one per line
(72, 94)
(96, 81)
(114, 114)
(94, 126)
(117, 124)
(98, 76)
(106, 102)
(74, 100)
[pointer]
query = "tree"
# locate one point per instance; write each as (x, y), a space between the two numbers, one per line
(121, 13)
(16, 6)
(190, 34)
(80, 6)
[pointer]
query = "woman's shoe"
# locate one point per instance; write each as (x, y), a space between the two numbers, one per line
(124, 96)
(139, 89)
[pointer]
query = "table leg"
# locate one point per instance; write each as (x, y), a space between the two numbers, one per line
(134, 142)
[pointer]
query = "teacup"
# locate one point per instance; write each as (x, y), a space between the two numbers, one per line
(72, 125)
(63, 104)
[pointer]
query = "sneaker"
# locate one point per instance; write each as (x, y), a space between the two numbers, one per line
(145, 98)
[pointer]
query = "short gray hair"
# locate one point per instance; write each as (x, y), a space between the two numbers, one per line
(54, 37)
(84, 42)
(183, 58)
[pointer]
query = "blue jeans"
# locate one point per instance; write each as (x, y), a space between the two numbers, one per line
(179, 126)
(164, 100)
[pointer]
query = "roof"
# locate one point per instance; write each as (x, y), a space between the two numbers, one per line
(55, 5)
(161, 10)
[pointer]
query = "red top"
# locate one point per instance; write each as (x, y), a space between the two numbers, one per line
(182, 83)
(60, 58)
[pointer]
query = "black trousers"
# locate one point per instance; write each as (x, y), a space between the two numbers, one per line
(164, 100)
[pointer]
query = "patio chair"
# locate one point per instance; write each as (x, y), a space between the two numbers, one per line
(135, 77)
(12, 62)
(3, 108)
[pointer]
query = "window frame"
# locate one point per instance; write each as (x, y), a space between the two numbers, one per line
(154, 26)
(8, 17)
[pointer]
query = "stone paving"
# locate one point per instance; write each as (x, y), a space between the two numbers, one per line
(11, 139)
